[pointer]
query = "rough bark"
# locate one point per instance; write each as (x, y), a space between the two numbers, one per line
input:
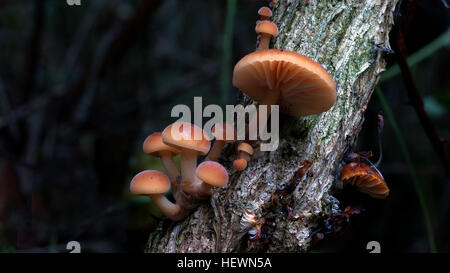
(345, 37)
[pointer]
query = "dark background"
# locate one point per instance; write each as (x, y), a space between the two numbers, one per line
(81, 88)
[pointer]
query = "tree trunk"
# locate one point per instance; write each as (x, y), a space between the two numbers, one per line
(345, 37)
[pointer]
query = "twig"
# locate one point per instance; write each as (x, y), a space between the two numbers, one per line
(411, 168)
(118, 45)
(227, 48)
(7, 111)
(87, 99)
(34, 46)
(204, 72)
(116, 48)
(81, 36)
(29, 108)
(418, 56)
(126, 35)
(112, 48)
(413, 93)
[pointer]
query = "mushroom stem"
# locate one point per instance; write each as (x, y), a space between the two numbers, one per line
(188, 166)
(214, 154)
(169, 166)
(202, 189)
(171, 210)
(244, 156)
(264, 41)
(271, 98)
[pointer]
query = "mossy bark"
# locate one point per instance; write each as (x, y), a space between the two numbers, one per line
(345, 37)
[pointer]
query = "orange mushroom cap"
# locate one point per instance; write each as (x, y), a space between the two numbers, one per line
(266, 27)
(305, 86)
(245, 147)
(366, 179)
(240, 164)
(265, 12)
(185, 137)
(149, 182)
(153, 145)
(212, 173)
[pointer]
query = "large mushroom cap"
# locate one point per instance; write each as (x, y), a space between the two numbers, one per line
(366, 179)
(212, 173)
(150, 182)
(183, 135)
(222, 129)
(305, 86)
(153, 145)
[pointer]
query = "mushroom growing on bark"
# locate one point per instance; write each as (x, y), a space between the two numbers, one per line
(266, 30)
(210, 174)
(245, 151)
(299, 85)
(362, 173)
(192, 141)
(220, 131)
(365, 178)
(240, 164)
(265, 13)
(154, 184)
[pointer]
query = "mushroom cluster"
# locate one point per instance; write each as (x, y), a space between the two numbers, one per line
(193, 184)
(299, 85)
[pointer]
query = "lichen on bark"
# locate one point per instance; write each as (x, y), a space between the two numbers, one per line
(343, 36)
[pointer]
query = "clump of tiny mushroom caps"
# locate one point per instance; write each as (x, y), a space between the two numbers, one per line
(299, 85)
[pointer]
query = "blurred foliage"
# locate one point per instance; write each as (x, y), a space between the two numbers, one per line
(416, 182)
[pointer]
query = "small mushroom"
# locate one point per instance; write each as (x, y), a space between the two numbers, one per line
(240, 164)
(153, 145)
(265, 13)
(245, 151)
(210, 174)
(266, 30)
(220, 131)
(192, 141)
(365, 178)
(154, 184)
